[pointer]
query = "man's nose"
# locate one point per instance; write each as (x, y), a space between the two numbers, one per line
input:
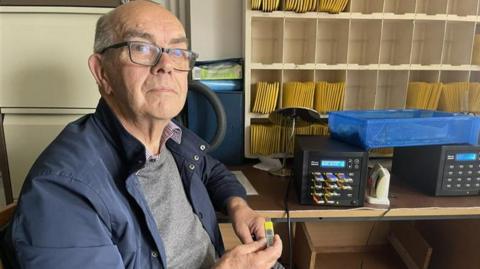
(164, 65)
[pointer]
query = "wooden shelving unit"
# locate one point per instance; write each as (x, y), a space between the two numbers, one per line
(375, 46)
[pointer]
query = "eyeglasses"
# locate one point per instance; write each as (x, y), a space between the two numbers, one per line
(148, 54)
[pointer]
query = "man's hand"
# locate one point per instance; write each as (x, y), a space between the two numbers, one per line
(253, 255)
(245, 221)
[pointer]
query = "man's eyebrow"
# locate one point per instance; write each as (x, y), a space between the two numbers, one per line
(133, 33)
(178, 40)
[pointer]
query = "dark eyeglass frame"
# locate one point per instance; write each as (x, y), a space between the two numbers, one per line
(193, 55)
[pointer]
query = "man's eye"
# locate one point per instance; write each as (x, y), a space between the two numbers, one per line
(177, 52)
(141, 48)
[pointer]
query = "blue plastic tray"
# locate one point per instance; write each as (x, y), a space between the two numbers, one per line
(224, 85)
(408, 127)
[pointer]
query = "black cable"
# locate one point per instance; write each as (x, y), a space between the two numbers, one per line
(289, 225)
(370, 233)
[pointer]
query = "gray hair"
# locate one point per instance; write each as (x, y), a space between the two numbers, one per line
(104, 33)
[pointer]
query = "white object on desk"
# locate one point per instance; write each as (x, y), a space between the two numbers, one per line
(378, 185)
(268, 164)
(245, 182)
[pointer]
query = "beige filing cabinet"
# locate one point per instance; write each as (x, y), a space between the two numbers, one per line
(44, 78)
(26, 137)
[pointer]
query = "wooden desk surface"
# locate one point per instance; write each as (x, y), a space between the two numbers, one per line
(405, 201)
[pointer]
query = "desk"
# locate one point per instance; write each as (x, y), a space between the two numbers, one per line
(406, 202)
(437, 232)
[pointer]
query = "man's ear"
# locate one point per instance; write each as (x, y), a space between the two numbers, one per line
(98, 72)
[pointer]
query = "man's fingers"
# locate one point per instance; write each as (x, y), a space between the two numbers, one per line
(252, 247)
(273, 253)
(256, 254)
(267, 257)
(276, 249)
(245, 235)
(259, 230)
(261, 233)
(252, 255)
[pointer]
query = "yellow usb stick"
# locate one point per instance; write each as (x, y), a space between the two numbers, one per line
(269, 234)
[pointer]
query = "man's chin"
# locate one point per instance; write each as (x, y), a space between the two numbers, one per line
(164, 108)
(164, 115)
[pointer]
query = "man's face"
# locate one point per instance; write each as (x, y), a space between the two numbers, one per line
(147, 92)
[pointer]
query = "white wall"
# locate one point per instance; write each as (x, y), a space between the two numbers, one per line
(216, 28)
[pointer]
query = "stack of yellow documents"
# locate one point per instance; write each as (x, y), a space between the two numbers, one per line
(298, 94)
(476, 50)
(454, 97)
(265, 97)
(265, 5)
(474, 97)
(423, 95)
(332, 6)
(319, 129)
(314, 129)
(300, 6)
(268, 139)
(329, 96)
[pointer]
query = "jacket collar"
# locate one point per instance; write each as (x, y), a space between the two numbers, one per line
(191, 143)
(130, 148)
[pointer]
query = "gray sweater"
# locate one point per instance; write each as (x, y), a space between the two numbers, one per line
(186, 242)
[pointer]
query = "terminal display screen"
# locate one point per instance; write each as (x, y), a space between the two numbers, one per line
(332, 164)
(465, 157)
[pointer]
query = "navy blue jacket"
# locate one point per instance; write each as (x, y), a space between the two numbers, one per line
(81, 205)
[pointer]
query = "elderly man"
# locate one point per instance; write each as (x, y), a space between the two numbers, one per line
(126, 187)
